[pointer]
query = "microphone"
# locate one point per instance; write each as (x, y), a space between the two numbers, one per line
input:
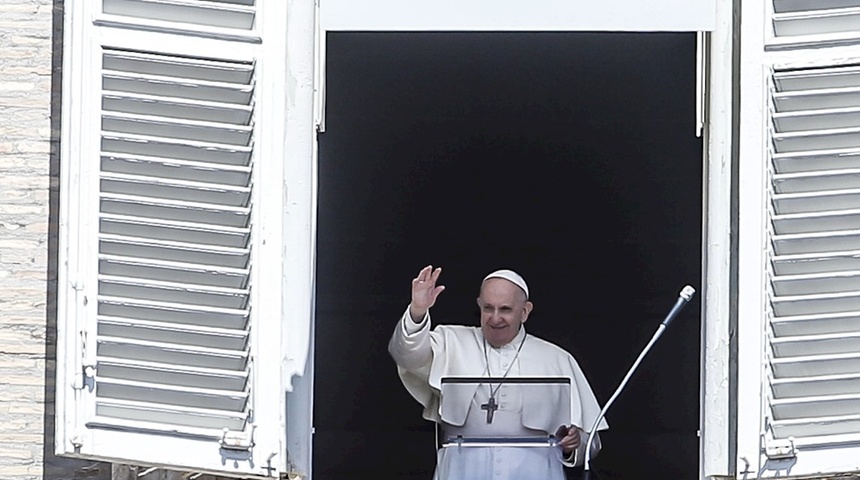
(683, 298)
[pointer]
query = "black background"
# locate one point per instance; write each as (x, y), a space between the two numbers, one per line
(568, 157)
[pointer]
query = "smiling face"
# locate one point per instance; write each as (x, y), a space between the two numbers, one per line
(504, 309)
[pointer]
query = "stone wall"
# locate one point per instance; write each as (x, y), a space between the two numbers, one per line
(30, 68)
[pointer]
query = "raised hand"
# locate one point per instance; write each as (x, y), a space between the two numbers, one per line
(424, 292)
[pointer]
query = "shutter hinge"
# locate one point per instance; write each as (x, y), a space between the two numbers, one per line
(85, 354)
(242, 441)
(778, 449)
(88, 363)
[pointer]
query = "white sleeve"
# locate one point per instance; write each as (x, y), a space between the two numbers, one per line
(410, 343)
(411, 327)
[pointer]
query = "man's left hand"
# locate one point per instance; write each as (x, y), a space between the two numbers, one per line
(570, 438)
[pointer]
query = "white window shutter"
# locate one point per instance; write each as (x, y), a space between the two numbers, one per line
(799, 286)
(169, 326)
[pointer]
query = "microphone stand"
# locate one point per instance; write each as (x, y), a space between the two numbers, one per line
(684, 297)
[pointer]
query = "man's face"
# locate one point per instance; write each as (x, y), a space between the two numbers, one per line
(503, 310)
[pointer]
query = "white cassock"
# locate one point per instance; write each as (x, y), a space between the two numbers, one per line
(424, 357)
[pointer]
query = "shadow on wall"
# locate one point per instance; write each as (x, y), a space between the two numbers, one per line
(54, 467)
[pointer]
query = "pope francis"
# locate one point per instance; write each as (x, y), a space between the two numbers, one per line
(500, 348)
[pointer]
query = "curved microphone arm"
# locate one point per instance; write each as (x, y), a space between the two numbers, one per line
(684, 297)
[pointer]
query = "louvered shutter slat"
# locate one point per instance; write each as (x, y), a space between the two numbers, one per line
(816, 344)
(173, 107)
(125, 412)
(796, 20)
(173, 312)
(174, 210)
(175, 149)
(192, 69)
(816, 303)
(202, 336)
(817, 139)
(823, 426)
(809, 102)
(233, 175)
(818, 365)
(218, 13)
(816, 22)
(816, 324)
(827, 406)
(825, 385)
(194, 253)
(165, 127)
(812, 202)
(173, 271)
(172, 353)
(819, 119)
(816, 242)
(816, 221)
(181, 396)
(805, 83)
(828, 282)
(179, 375)
(176, 189)
(168, 230)
(781, 6)
(829, 182)
(176, 292)
(816, 263)
(814, 331)
(821, 160)
(176, 87)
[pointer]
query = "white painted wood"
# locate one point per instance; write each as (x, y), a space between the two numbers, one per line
(716, 444)
(799, 328)
(234, 14)
(298, 228)
(804, 23)
(752, 208)
(69, 380)
(817, 365)
(182, 205)
(511, 15)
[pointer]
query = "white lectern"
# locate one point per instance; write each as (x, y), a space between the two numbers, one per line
(491, 443)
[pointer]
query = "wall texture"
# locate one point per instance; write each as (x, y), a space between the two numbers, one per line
(30, 54)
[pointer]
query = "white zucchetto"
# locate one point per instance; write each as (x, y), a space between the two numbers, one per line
(512, 277)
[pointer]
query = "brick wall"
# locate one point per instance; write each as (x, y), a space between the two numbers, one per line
(30, 35)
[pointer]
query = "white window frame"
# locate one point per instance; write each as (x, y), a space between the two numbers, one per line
(514, 15)
(717, 389)
(717, 445)
(282, 343)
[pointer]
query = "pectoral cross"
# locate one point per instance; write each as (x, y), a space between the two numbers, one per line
(491, 406)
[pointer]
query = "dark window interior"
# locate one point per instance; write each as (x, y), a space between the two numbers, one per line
(569, 157)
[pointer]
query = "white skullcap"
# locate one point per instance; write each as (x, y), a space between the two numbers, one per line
(512, 277)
